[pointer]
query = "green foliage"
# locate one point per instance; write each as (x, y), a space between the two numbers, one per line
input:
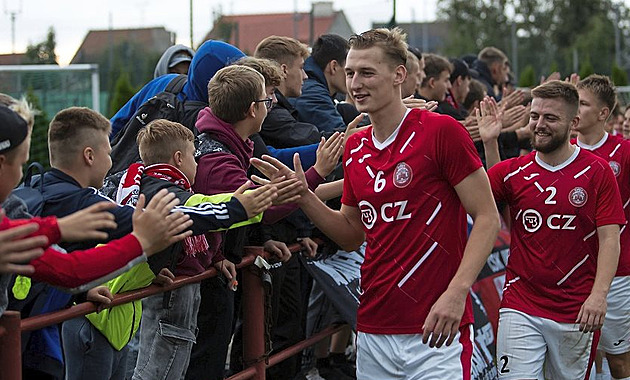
(586, 69)
(527, 77)
(619, 76)
(39, 137)
(123, 91)
(547, 32)
(43, 52)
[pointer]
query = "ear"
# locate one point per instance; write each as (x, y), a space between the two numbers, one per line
(458, 81)
(333, 66)
(603, 114)
(88, 155)
(285, 70)
(251, 111)
(575, 122)
(177, 158)
(431, 82)
(400, 73)
(3, 162)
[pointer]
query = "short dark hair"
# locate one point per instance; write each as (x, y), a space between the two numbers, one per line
(556, 89)
(434, 65)
(70, 130)
(329, 47)
(476, 92)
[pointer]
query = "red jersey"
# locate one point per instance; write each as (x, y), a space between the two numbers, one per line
(616, 151)
(556, 211)
(414, 222)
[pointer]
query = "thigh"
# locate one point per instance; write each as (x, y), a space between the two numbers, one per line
(447, 362)
(87, 352)
(568, 351)
(521, 346)
(615, 338)
(378, 357)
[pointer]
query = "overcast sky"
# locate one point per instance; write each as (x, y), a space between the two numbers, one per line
(73, 18)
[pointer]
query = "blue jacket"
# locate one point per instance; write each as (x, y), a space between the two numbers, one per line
(210, 58)
(315, 105)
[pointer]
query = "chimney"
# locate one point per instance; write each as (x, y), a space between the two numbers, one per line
(322, 9)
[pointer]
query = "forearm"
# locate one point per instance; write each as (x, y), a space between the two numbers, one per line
(479, 246)
(334, 224)
(329, 190)
(493, 156)
(607, 260)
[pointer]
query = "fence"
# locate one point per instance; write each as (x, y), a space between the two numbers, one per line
(11, 326)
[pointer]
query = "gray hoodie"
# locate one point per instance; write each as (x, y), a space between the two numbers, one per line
(164, 63)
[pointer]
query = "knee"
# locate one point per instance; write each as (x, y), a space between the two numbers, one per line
(619, 365)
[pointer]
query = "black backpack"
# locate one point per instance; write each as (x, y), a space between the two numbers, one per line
(164, 105)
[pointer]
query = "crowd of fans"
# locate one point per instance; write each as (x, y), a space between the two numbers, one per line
(255, 147)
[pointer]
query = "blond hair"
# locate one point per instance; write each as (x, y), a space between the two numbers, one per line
(160, 139)
(22, 107)
(269, 69)
(602, 87)
(283, 50)
(392, 42)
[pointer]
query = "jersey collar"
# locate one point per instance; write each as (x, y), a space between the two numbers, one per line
(561, 166)
(597, 145)
(392, 137)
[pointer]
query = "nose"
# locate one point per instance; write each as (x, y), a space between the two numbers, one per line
(304, 76)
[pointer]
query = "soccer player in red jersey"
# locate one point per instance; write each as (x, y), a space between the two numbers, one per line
(597, 101)
(409, 180)
(566, 212)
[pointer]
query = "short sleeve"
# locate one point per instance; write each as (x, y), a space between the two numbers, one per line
(609, 208)
(496, 174)
(348, 197)
(456, 151)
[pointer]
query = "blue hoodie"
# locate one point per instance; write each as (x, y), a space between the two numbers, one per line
(210, 58)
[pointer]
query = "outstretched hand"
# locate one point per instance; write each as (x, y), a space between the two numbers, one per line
(155, 226)
(489, 120)
(328, 154)
(17, 250)
(257, 200)
(87, 224)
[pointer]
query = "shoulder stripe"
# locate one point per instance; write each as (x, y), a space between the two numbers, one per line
(614, 150)
(415, 267)
(515, 172)
(572, 270)
(408, 141)
(582, 172)
(435, 212)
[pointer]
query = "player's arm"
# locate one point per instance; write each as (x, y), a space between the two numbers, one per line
(344, 227)
(445, 315)
(593, 311)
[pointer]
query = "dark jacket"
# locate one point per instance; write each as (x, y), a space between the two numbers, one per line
(281, 128)
(315, 105)
(484, 76)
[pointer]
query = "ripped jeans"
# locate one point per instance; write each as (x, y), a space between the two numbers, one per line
(167, 334)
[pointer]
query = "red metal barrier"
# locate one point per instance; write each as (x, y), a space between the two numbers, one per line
(253, 321)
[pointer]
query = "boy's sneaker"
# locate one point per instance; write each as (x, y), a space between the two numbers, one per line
(313, 374)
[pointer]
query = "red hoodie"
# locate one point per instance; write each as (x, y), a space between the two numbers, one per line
(224, 172)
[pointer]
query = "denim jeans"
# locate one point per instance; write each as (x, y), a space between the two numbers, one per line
(167, 334)
(88, 354)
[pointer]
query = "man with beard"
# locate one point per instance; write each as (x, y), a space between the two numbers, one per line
(566, 212)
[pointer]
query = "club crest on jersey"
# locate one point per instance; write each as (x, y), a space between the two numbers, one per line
(402, 175)
(616, 168)
(578, 197)
(532, 220)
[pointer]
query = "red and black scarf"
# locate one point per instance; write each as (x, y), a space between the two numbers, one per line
(129, 190)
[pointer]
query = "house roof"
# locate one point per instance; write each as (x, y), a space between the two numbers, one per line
(154, 39)
(246, 31)
(12, 59)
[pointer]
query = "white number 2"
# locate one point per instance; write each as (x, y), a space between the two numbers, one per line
(550, 200)
(379, 182)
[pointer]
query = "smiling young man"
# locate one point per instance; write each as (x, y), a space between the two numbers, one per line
(597, 101)
(412, 175)
(566, 212)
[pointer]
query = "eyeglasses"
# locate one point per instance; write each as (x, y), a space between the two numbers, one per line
(268, 102)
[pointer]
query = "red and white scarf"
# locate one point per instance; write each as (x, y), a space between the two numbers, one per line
(129, 191)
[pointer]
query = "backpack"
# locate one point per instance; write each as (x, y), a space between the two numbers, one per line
(164, 105)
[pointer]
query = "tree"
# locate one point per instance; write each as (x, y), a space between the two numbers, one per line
(528, 77)
(123, 91)
(43, 52)
(39, 136)
(619, 76)
(586, 69)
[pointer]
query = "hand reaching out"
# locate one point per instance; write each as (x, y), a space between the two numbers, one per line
(257, 200)
(88, 223)
(17, 250)
(489, 120)
(328, 154)
(156, 227)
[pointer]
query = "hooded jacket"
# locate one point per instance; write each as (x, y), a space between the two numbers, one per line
(315, 105)
(210, 58)
(221, 172)
(162, 66)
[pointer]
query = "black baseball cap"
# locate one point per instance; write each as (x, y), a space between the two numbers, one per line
(13, 129)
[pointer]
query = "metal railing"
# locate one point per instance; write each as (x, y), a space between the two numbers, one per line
(11, 325)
